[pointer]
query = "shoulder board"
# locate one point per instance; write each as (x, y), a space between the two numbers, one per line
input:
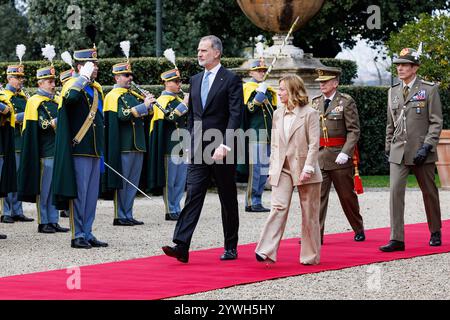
(395, 85)
(346, 96)
(316, 97)
(428, 83)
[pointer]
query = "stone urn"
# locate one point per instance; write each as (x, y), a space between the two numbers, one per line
(277, 16)
(443, 164)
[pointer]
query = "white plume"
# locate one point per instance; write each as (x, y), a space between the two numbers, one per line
(125, 46)
(20, 51)
(170, 55)
(260, 49)
(420, 49)
(67, 58)
(49, 52)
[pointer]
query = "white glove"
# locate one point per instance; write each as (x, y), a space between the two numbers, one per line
(87, 70)
(262, 87)
(342, 158)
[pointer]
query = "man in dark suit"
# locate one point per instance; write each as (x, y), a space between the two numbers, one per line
(215, 106)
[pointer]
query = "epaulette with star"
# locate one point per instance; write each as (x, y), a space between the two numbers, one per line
(428, 82)
(315, 97)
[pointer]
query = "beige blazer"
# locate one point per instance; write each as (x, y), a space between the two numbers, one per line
(300, 148)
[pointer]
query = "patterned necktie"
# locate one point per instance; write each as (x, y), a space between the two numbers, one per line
(327, 103)
(205, 88)
(405, 92)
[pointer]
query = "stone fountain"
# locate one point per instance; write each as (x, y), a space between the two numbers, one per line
(277, 16)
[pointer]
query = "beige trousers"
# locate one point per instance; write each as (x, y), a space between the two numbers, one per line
(276, 222)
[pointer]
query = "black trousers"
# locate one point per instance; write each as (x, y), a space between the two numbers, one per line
(197, 183)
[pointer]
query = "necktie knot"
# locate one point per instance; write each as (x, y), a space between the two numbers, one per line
(205, 88)
(405, 92)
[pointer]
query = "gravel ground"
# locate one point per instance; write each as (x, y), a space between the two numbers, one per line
(428, 277)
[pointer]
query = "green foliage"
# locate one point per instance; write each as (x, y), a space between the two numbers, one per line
(185, 21)
(349, 69)
(434, 32)
(372, 102)
(13, 29)
(340, 21)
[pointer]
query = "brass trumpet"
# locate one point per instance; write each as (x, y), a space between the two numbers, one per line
(145, 93)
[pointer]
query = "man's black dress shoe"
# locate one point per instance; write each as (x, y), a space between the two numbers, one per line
(64, 214)
(97, 243)
(435, 239)
(122, 222)
(3, 236)
(45, 228)
(80, 243)
(7, 219)
(360, 236)
(229, 255)
(256, 208)
(393, 245)
(22, 218)
(135, 222)
(176, 252)
(58, 228)
(171, 217)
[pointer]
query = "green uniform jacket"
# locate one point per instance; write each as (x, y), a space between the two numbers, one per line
(422, 110)
(123, 133)
(256, 117)
(341, 121)
(72, 112)
(38, 142)
(8, 179)
(160, 144)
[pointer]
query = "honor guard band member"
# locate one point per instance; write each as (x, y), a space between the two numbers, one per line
(8, 177)
(126, 113)
(260, 103)
(79, 149)
(63, 77)
(38, 147)
(414, 124)
(339, 135)
(168, 161)
(15, 97)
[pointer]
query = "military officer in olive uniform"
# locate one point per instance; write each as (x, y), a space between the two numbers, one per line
(339, 136)
(260, 103)
(414, 124)
(38, 147)
(126, 112)
(79, 149)
(14, 96)
(168, 163)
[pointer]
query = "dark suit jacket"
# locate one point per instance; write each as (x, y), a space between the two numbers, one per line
(223, 109)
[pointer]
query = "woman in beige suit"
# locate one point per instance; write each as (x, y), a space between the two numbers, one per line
(293, 162)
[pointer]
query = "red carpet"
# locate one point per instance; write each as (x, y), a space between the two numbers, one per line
(162, 277)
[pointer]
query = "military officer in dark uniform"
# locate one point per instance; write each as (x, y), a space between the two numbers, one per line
(414, 124)
(14, 96)
(166, 145)
(79, 149)
(126, 113)
(339, 136)
(38, 146)
(260, 103)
